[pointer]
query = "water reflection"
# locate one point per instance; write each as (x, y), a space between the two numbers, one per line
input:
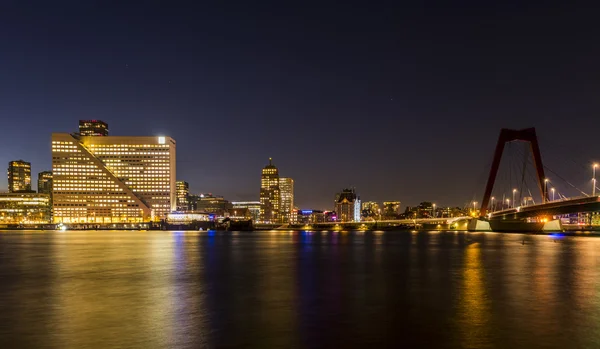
(297, 290)
(474, 305)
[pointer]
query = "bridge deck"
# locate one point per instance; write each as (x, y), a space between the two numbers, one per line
(573, 205)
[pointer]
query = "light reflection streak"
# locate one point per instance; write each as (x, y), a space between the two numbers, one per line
(474, 306)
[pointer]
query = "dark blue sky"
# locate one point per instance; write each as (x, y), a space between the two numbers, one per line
(401, 101)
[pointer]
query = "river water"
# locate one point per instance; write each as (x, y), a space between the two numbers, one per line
(117, 289)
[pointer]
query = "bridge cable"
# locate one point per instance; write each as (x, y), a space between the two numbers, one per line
(563, 179)
(524, 172)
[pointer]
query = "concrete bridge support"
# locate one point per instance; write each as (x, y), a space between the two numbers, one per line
(555, 225)
(479, 225)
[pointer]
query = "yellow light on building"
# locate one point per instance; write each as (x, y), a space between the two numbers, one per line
(112, 179)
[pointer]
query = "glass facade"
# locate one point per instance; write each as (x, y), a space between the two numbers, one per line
(24, 208)
(183, 193)
(19, 176)
(45, 182)
(286, 190)
(112, 179)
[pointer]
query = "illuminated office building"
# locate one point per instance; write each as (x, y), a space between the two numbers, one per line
(216, 204)
(93, 128)
(286, 191)
(183, 193)
(391, 209)
(112, 179)
(370, 205)
(24, 208)
(249, 208)
(370, 209)
(19, 176)
(269, 194)
(45, 182)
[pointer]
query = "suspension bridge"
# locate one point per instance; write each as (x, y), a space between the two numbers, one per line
(514, 211)
(527, 215)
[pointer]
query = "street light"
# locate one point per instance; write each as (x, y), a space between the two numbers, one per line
(433, 212)
(507, 203)
(493, 207)
(552, 190)
(594, 179)
(545, 189)
(514, 192)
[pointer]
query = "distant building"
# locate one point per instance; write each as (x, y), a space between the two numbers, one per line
(371, 210)
(286, 190)
(348, 206)
(214, 204)
(370, 205)
(187, 217)
(425, 210)
(112, 179)
(93, 128)
(250, 209)
(269, 194)
(310, 216)
(330, 216)
(447, 212)
(45, 182)
(24, 208)
(183, 192)
(19, 177)
(391, 209)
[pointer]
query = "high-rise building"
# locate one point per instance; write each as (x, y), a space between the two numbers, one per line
(24, 208)
(93, 128)
(112, 179)
(19, 177)
(183, 193)
(45, 182)
(347, 206)
(286, 191)
(269, 194)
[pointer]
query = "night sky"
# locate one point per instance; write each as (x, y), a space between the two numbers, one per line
(403, 102)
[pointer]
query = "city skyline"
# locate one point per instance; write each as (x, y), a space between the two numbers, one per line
(412, 92)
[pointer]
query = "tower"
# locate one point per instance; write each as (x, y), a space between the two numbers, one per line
(19, 176)
(286, 189)
(269, 194)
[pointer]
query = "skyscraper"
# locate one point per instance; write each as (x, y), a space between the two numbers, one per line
(112, 179)
(19, 176)
(269, 194)
(286, 190)
(183, 193)
(93, 128)
(45, 182)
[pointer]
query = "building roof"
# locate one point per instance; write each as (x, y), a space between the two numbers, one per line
(347, 195)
